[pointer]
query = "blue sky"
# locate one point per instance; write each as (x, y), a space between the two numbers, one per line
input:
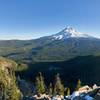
(27, 19)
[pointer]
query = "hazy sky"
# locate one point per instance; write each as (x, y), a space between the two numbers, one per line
(25, 19)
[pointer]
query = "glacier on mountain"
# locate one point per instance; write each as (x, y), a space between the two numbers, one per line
(69, 32)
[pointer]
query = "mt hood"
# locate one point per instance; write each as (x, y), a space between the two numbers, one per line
(64, 45)
(69, 32)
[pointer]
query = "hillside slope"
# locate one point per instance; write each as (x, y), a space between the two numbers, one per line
(64, 45)
(8, 87)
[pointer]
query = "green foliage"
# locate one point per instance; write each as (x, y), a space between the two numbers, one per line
(43, 49)
(68, 91)
(40, 85)
(58, 86)
(79, 84)
(8, 86)
(50, 89)
(22, 67)
(13, 92)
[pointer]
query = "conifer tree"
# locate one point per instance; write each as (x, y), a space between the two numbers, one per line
(50, 89)
(13, 92)
(68, 91)
(79, 84)
(40, 85)
(58, 86)
(8, 87)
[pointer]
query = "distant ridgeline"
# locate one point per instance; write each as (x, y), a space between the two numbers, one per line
(65, 45)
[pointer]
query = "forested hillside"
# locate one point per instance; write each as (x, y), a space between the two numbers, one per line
(8, 84)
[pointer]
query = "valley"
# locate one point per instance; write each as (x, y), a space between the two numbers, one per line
(70, 53)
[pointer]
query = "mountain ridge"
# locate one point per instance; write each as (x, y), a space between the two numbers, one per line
(70, 32)
(69, 43)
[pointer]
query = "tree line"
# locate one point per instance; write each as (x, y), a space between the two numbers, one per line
(56, 88)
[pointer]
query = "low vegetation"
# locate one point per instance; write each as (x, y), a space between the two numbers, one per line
(8, 85)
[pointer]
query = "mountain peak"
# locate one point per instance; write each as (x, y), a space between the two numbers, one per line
(69, 29)
(69, 32)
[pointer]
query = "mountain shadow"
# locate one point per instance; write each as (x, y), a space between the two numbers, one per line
(85, 68)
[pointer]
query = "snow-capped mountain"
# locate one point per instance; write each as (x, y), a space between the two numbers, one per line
(69, 32)
(63, 45)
